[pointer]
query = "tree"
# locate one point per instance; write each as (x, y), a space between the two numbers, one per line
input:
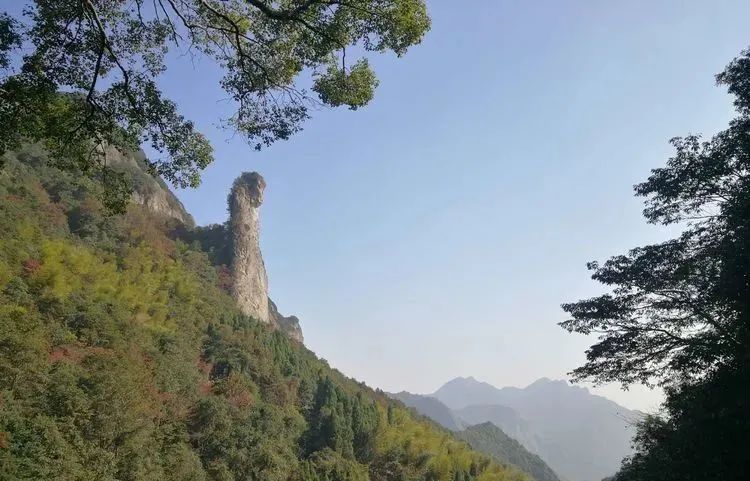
(678, 314)
(702, 434)
(87, 75)
(681, 308)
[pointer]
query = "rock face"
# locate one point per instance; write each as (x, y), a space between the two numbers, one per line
(290, 324)
(249, 279)
(149, 191)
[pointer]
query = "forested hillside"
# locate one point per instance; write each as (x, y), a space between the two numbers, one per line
(485, 435)
(490, 439)
(122, 357)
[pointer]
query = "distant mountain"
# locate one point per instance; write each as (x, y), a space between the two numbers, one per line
(486, 437)
(503, 417)
(506, 419)
(432, 408)
(583, 437)
(465, 391)
(491, 440)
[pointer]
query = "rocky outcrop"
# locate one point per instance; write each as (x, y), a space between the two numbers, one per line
(289, 324)
(249, 279)
(148, 190)
(157, 201)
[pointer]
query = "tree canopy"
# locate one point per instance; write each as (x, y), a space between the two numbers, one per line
(79, 74)
(680, 309)
(678, 314)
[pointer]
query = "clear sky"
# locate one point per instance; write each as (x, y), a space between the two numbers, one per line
(435, 233)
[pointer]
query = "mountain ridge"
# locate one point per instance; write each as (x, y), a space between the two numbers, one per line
(492, 441)
(505, 418)
(431, 408)
(582, 436)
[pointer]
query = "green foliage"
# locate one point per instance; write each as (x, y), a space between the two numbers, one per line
(701, 434)
(10, 38)
(354, 88)
(346, 424)
(215, 240)
(107, 57)
(491, 440)
(679, 311)
(329, 465)
(121, 358)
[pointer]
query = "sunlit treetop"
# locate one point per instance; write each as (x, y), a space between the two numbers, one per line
(106, 56)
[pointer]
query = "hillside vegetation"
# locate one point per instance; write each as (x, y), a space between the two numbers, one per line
(123, 358)
(490, 439)
(486, 430)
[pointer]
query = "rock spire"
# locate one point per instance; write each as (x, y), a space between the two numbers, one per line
(249, 278)
(250, 282)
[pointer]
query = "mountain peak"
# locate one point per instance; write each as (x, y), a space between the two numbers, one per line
(452, 393)
(571, 427)
(542, 380)
(461, 380)
(557, 385)
(545, 381)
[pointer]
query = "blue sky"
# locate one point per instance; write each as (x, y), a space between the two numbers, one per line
(435, 233)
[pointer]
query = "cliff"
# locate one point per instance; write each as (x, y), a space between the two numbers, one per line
(123, 356)
(149, 191)
(288, 324)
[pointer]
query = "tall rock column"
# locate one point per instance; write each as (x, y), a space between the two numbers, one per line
(250, 282)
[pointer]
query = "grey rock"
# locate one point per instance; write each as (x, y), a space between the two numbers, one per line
(288, 324)
(148, 190)
(249, 277)
(250, 281)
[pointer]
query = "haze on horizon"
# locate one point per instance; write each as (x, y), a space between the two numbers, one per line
(435, 233)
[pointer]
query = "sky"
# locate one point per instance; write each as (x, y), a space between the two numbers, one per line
(436, 232)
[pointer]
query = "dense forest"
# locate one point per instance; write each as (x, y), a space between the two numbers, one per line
(122, 358)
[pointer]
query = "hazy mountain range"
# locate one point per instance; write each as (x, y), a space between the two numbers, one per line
(581, 436)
